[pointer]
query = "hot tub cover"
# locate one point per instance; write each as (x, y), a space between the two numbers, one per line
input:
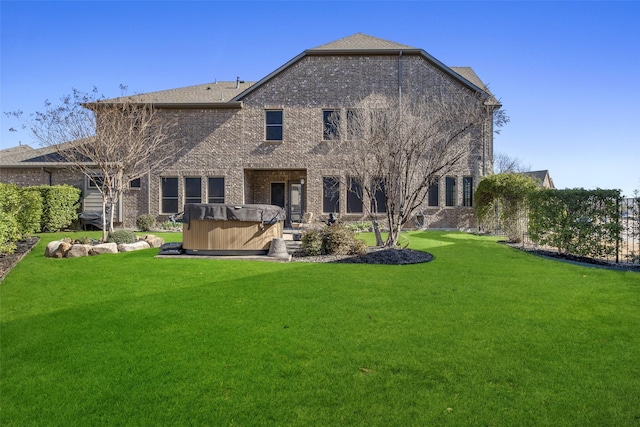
(265, 214)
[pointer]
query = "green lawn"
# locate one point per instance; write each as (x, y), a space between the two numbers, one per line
(482, 335)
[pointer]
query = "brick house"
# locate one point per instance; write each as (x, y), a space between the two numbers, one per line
(265, 142)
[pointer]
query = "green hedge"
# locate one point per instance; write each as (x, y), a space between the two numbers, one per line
(501, 202)
(24, 211)
(30, 213)
(577, 222)
(9, 208)
(60, 206)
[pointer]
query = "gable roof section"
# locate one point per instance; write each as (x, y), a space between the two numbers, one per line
(362, 44)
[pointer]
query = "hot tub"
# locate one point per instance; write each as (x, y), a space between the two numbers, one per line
(222, 229)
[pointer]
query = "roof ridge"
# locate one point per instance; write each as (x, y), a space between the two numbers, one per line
(361, 41)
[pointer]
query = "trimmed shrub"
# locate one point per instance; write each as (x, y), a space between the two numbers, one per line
(30, 212)
(9, 208)
(501, 202)
(84, 240)
(122, 236)
(312, 242)
(577, 222)
(146, 222)
(336, 239)
(60, 206)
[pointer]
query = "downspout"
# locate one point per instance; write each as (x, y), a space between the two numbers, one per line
(400, 76)
(149, 192)
(50, 179)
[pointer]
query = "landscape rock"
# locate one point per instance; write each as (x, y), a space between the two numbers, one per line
(51, 248)
(278, 249)
(104, 248)
(129, 247)
(153, 241)
(77, 251)
(57, 248)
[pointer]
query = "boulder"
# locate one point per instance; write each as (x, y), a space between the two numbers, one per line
(51, 248)
(78, 251)
(278, 249)
(57, 249)
(153, 241)
(129, 247)
(104, 248)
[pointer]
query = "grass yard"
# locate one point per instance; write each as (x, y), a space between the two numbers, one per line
(482, 335)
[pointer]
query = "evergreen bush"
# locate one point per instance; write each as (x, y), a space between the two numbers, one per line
(336, 239)
(146, 222)
(122, 236)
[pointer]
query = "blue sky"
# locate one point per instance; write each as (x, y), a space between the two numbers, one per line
(568, 73)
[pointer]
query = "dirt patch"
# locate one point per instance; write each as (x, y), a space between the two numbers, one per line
(23, 247)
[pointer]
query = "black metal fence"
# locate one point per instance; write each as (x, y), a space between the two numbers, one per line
(627, 245)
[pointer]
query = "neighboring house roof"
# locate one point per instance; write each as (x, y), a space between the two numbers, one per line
(33, 158)
(542, 177)
(14, 154)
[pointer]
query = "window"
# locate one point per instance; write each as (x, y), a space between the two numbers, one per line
(330, 194)
(331, 124)
(450, 191)
(134, 183)
(95, 182)
(354, 196)
(434, 193)
(192, 190)
(467, 191)
(216, 190)
(273, 128)
(169, 195)
(354, 125)
(378, 204)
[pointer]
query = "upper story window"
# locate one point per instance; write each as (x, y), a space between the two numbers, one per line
(355, 125)
(330, 124)
(273, 125)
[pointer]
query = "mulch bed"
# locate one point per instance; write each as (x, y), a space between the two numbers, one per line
(23, 247)
(573, 258)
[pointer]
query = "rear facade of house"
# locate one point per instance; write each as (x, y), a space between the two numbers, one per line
(266, 142)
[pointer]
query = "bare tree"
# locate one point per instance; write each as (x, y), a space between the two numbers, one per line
(399, 146)
(503, 163)
(110, 141)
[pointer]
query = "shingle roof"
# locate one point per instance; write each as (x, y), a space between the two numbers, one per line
(15, 154)
(25, 156)
(218, 92)
(470, 75)
(361, 41)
